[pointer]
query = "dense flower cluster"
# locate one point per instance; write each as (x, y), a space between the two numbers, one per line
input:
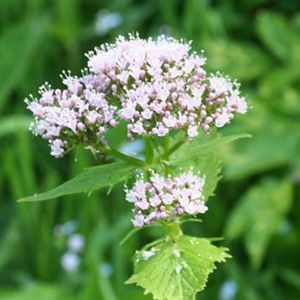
(161, 86)
(79, 114)
(155, 86)
(162, 198)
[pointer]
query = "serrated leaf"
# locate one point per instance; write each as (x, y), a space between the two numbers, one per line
(91, 179)
(176, 270)
(258, 216)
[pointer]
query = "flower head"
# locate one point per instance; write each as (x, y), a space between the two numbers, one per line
(162, 86)
(79, 114)
(155, 86)
(166, 198)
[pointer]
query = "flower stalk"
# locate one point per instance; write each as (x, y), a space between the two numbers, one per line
(172, 230)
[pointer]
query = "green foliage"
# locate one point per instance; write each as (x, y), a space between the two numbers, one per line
(274, 31)
(15, 59)
(283, 41)
(204, 144)
(14, 124)
(203, 154)
(256, 42)
(90, 180)
(269, 148)
(259, 215)
(45, 292)
(187, 261)
(222, 55)
(176, 270)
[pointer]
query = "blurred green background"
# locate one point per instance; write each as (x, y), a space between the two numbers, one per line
(256, 207)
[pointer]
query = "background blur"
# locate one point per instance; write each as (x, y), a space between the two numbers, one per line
(68, 248)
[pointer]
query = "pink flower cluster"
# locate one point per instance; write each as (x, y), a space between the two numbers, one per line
(155, 86)
(162, 86)
(79, 114)
(162, 198)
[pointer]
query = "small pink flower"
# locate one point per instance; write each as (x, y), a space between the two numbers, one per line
(167, 199)
(138, 221)
(222, 119)
(155, 86)
(220, 84)
(192, 131)
(57, 148)
(170, 121)
(154, 201)
(138, 128)
(127, 113)
(92, 117)
(163, 198)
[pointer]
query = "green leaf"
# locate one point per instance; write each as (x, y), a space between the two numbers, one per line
(210, 166)
(192, 25)
(91, 179)
(258, 216)
(204, 143)
(281, 84)
(236, 59)
(278, 36)
(268, 150)
(17, 46)
(291, 277)
(203, 154)
(42, 291)
(13, 124)
(176, 270)
(271, 147)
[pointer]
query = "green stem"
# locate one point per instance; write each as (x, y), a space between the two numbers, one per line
(173, 230)
(128, 159)
(149, 150)
(166, 143)
(173, 149)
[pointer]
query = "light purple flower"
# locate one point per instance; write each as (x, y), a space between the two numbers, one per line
(163, 198)
(155, 86)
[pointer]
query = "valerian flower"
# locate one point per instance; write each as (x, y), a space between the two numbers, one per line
(166, 198)
(154, 86)
(77, 115)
